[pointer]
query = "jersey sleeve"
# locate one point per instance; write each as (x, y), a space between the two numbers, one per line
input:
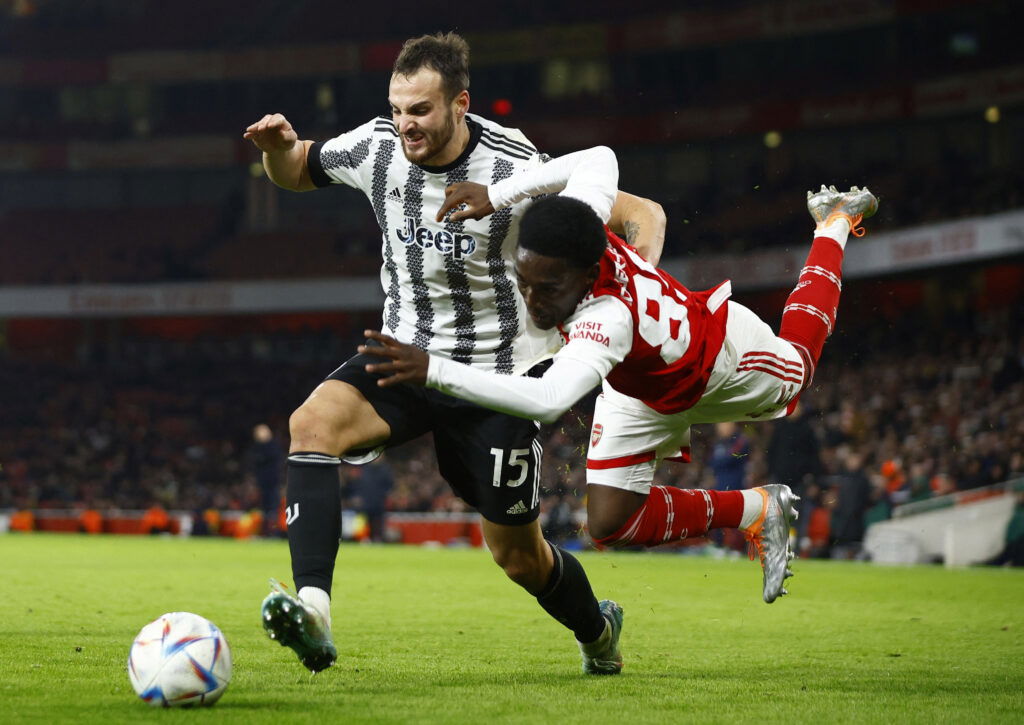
(544, 398)
(600, 334)
(343, 159)
(592, 176)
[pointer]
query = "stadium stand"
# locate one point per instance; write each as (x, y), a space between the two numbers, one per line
(157, 419)
(711, 109)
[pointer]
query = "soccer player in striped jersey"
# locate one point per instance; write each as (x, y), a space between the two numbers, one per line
(668, 357)
(451, 290)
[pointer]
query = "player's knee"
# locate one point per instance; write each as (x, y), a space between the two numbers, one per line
(604, 527)
(609, 513)
(603, 532)
(302, 425)
(312, 430)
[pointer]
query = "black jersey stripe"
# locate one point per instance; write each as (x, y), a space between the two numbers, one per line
(505, 140)
(385, 123)
(507, 152)
(378, 189)
(386, 128)
(458, 284)
(504, 289)
(413, 206)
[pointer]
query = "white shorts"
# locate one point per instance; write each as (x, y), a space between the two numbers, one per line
(756, 376)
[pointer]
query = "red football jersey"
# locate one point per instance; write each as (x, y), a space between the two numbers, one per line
(677, 333)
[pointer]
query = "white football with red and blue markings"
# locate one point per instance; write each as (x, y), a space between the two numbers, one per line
(180, 659)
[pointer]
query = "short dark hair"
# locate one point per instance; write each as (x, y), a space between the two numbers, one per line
(446, 53)
(564, 228)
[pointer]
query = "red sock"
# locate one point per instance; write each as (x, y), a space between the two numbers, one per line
(672, 514)
(810, 311)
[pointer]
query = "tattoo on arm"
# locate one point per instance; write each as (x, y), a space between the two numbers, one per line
(632, 230)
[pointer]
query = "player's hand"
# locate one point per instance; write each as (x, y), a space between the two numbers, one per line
(473, 195)
(272, 134)
(407, 364)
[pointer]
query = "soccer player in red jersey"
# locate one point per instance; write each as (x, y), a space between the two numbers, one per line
(668, 357)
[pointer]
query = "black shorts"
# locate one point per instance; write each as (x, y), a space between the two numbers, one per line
(491, 460)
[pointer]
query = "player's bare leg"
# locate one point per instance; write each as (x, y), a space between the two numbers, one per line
(561, 587)
(522, 553)
(609, 508)
(334, 419)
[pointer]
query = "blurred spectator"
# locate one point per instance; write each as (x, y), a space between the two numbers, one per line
(266, 460)
(729, 457)
(23, 521)
(941, 484)
(367, 490)
(155, 520)
(794, 459)
(816, 543)
(853, 499)
(896, 485)
(90, 521)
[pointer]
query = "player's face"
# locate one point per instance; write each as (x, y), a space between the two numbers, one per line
(551, 287)
(426, 120)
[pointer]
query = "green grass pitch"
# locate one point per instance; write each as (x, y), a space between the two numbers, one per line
(428, 635)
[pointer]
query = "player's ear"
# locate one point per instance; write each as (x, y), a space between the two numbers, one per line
(461, 102)
(593, 273)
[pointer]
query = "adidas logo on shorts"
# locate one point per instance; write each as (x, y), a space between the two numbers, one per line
(518, 508)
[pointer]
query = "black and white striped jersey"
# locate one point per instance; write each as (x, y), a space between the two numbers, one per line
(450, 287)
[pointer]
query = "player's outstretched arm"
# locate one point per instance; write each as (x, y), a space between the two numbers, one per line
(591, 176)
(641, 222)
(284, 155)
(543, 399)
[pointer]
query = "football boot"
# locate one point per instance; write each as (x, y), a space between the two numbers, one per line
(602, 657)
(769, 537)
(830, 204)
(292, 623)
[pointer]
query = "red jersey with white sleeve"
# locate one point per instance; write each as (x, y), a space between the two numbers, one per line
(649, 336)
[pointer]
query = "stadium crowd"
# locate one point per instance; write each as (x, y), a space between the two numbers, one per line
(897, 412)
(212, 242)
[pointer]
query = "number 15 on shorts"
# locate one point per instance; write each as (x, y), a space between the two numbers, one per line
(517, 458)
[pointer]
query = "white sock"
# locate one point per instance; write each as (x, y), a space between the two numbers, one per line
(753, 504)
(319, 600)
(592, 649)
(838, 230)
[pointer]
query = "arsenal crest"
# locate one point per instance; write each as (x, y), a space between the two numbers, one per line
(595, 434)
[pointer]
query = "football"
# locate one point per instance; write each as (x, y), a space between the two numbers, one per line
(179, 659)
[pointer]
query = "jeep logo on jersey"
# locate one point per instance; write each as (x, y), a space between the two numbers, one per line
(441, 241)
